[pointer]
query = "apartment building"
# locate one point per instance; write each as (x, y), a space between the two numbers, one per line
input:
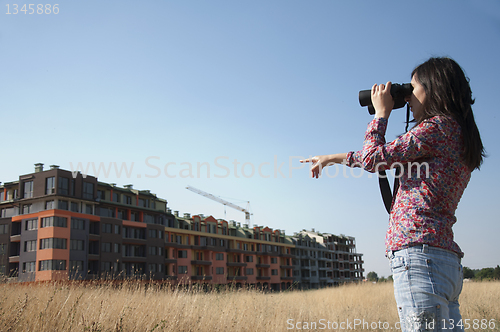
(60, 225)
(324, 259)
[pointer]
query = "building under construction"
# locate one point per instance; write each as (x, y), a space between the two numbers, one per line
(60, 225)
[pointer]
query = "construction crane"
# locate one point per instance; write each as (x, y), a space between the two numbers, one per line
(220, 200)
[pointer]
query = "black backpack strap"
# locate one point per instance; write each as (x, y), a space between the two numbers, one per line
(385, 190)
(383, 182)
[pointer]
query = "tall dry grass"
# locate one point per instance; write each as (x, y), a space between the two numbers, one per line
(151, 307)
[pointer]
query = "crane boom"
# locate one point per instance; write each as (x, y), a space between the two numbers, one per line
(222, 201)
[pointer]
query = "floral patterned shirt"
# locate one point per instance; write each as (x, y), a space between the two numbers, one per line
(423, 211)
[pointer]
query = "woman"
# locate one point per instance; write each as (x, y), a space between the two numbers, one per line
(441, 151)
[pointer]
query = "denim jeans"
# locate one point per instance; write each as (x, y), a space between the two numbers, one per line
(427, 284)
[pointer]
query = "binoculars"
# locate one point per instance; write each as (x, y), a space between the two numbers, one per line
(398, 92)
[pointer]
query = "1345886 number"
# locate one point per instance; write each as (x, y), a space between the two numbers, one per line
(31, 9)
(476, 324)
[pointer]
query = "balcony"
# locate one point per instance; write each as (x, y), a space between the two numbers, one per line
(200, 262)
(171, 277)
(229, 278)
(199, 247)
(14, 259)
(201, 277)
(15, 238)
(176, 245)
(239, 251)
(237, 264)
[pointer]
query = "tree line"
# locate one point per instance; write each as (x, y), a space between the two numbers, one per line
(487, 273)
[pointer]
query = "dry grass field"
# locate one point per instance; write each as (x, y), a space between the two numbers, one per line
(139, 307)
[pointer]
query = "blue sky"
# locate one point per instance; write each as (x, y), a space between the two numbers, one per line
(229, 88)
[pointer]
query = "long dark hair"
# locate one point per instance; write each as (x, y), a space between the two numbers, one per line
(448, 94)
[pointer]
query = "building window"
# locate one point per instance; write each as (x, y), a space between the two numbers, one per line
(50, 205)
(274, 272)
(29, 245)
(116, 248)
(62, 205)
(63, 186)
(88, 209)
(76, 266)
(219, 270)
(116, 197)
(117, 229)
(75, 207)
(134, 216)
(4, 229)
(122, 214)
(94, 247)
(183, 270)
(94, 228)
(29, 267)
(130, 250)
(127, 200)
(93, 267)
(54, 222)
(88, 190)
(153, 233)
(249, 259)
(274, 260)
(53, 243)
(248, 272)
(107, 228)
(53, 264)
(134, 233)
(50, 185)
(26, 208)
(182, 253)
(101, 194)
(107, 212)
(77, 223)
(106, 247)
(106, 267)
(219, 257)
(12, 194)
(28, 189)
(77, 245)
